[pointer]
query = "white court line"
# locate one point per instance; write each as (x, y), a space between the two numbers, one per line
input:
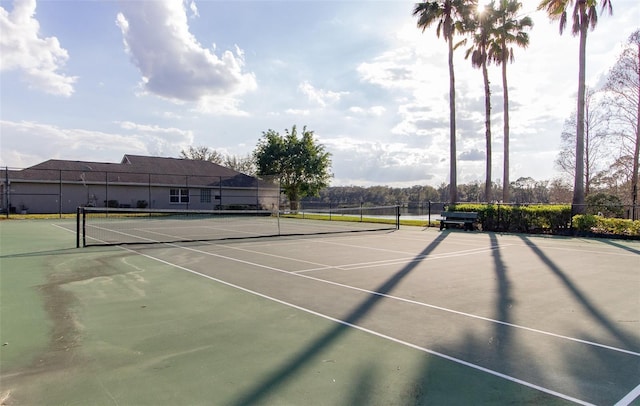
(630, 397)
(422, 257)
(369, 331)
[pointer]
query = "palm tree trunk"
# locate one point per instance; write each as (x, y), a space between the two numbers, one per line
(487, 131)
(578, 189)
(636, 154)
(453, 181)
(505, 167)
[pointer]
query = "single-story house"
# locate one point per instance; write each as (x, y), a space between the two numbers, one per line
(60, 186)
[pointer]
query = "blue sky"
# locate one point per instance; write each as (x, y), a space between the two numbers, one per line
(94, 80)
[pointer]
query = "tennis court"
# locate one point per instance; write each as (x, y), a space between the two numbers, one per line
(408, 316)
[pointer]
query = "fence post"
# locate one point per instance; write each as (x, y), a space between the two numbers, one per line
(60, 193)
(78, 227)
(7, 190)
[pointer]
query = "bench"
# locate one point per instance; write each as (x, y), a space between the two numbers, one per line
(459, 218)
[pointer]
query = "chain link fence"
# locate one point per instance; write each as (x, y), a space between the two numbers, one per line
(57, 191)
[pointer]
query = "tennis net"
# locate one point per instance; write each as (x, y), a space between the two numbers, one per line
(116, 226)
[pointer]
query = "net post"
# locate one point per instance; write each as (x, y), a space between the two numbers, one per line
(397, 217)
(78, 227)
(84, 228)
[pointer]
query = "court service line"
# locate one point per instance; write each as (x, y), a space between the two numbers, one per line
(410, 301)
(372, 264)
(360, 265)
(369, 331)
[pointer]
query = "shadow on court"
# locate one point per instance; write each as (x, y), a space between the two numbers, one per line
(280, 376)
(620, 369)
(496, 350)
(582, 299)
(621, 246)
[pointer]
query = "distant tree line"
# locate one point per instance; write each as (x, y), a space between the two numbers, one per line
(523, 190)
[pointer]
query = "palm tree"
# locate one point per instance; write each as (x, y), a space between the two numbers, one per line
(585, 16)
(509, 30)
(481, 25)
(448, 14)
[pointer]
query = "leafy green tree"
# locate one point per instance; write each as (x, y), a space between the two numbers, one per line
(302, 165)
(585, 16)
(449, 16)
(510, 30)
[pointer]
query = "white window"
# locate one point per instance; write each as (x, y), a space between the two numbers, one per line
(179, 195)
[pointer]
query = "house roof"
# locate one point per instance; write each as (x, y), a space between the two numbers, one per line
(137, 169)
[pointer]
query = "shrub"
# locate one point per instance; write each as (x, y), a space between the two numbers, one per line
(584, 222)
(588, 223)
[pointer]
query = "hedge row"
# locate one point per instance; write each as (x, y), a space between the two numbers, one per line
(590, 224)
(552, 219)
(555, 219)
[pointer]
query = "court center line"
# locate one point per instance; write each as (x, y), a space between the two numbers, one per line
(369, 331)
(401, 299)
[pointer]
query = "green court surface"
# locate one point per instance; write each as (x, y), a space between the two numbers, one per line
(407, 317)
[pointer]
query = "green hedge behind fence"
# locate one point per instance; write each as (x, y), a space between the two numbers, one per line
(589, 224)
(553, 219)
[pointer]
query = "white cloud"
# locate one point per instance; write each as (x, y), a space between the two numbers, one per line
(172, 62)
(370, 162)
(472, 155)
(297, 112)
(160, 141)
(38, 59)
(194, 9)
(27, 143)
(220, 106)
(320, 96)
(374, 111)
